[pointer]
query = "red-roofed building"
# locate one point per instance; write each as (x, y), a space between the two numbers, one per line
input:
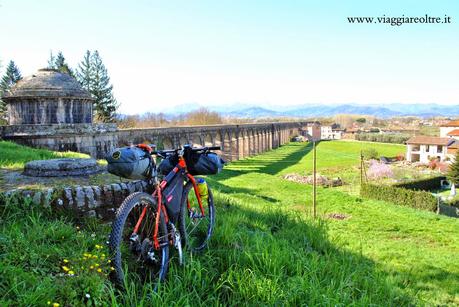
(450, 129)
(424, 148)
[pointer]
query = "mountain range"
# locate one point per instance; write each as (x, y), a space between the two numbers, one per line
(316, 110)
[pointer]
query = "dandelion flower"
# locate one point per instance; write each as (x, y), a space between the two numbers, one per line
(71, 272)
(91, 267)
(99, 270)
(65, 268)
(109, 261)
(66, 261)
(56, 305)
(112, 268)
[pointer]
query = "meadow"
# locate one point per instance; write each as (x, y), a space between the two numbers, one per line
(267, 248)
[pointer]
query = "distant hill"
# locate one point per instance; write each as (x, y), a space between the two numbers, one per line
(315, 110)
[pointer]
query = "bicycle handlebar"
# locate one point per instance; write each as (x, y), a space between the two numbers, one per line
(194, 149)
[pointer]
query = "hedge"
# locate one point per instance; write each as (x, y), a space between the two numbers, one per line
(383, 138)
(427, 184)
(400, 196)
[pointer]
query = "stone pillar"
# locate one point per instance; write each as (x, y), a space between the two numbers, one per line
(270, 140)
(246, 146)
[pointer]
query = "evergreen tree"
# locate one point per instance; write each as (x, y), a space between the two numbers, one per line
(84, 72)
(12, 75)
(453, 173)
(93, 76)
(58, 63)
(51, 60)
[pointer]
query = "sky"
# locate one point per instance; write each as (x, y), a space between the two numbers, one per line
(166, 54)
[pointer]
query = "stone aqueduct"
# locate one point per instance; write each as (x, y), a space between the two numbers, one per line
(51, 110)
(236, 141)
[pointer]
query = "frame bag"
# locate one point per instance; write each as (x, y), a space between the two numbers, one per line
(130, 162)
(172, 196)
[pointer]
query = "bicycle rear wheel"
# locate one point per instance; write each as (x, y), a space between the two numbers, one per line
(195, 228)
(134, 256)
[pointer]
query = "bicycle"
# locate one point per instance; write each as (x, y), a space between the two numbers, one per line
(146, 224)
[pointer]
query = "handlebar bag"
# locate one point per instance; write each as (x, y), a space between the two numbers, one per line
(204, 163)
(130, 162)
(167, 164)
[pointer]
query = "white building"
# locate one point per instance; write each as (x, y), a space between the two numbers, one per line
(450, 129)
(332, 132)
(424, 148)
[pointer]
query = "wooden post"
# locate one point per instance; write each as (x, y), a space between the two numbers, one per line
(314, 184)
(361, 168)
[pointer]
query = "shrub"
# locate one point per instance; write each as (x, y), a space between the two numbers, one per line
(370, 153)
(422, 184)
(379, 170)
(400, 196)
(453, 173)
(383, 138)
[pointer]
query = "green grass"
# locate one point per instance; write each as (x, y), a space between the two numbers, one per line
(266, 249)
(14, 156)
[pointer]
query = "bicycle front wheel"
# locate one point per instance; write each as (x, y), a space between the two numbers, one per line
(196, 228)
(134, 255)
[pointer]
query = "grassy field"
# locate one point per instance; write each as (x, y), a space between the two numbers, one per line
(267, 249)
(14, 156)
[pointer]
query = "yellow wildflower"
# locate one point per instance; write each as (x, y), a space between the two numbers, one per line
(96, 264)
(65, 268)
(94, 256)
(49, 302)
(66, 261)
(99, 270)
(109, 261)
(71, 273)
(112, 268)
(91, 267)
(55, 304)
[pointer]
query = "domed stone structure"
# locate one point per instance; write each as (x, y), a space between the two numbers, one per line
(48, 97)
(51, 110)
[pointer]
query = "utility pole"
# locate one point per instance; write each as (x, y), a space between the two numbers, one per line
(314, 184)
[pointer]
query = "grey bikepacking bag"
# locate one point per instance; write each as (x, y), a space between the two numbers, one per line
(130, 162)
(204, 163)
(197, 163)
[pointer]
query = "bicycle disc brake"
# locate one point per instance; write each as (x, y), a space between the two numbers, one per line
(177, 241)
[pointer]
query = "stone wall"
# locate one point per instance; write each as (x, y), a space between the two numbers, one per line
(93, 139)
(93, 201)
(237, 141)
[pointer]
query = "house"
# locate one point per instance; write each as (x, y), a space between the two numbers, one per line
(424, 148)
(450, 129)
(314, 131)
(350, 133)
(333, 132)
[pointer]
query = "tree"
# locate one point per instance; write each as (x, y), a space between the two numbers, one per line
(12, 75)
(453, 173)
(84, 71)
(361, 120)
(58, 63)
(93, 76)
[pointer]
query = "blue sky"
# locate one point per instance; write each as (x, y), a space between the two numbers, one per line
(166, 53)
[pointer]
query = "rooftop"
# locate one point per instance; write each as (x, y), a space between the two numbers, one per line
(453, 123)
(454, 132)
(430, 140)
(47, 83)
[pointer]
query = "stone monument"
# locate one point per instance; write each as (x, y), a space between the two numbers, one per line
(51, 110)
